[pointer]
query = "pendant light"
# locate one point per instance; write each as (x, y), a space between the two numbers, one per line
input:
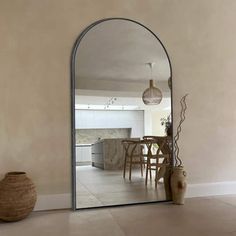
(152, 95)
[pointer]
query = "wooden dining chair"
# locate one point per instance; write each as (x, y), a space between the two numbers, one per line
(158, 156)
(133, 152)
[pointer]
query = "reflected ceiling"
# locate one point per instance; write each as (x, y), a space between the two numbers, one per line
(117, 51)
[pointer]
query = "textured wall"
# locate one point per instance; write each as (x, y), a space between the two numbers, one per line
(36, 42)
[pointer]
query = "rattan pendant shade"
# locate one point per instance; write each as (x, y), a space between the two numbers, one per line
(152, 95)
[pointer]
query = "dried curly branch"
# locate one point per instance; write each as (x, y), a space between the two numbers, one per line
(178, 161)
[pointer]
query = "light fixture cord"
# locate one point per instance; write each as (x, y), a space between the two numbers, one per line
(150, 65)
(151, 71)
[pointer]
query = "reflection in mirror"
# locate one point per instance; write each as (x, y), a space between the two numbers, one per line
(115, 163)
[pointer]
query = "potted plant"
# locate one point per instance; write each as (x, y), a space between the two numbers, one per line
(166, 121)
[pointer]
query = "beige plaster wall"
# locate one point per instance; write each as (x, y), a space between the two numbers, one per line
(36, 39)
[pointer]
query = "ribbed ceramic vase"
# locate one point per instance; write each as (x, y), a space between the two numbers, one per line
(178, 184)
(17, 196)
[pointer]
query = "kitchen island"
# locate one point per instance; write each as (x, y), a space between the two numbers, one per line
(108, 154)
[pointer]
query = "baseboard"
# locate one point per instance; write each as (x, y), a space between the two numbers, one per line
(211, 189)
(53, 202)
(63, 201)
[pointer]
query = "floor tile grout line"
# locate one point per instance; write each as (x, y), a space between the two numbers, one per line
(110, 211)
(227, 203)
(91, 194)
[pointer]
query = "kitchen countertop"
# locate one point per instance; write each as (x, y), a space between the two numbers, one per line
(83, 145)
(109, 139)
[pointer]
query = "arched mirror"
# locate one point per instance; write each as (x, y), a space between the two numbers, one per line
(121, 136)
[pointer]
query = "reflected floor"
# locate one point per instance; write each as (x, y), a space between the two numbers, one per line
(97, 187)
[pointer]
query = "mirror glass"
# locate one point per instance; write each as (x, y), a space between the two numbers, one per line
(112, 70)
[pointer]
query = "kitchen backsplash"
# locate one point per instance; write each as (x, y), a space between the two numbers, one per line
(87, 136)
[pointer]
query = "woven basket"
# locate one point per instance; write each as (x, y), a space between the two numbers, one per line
(17, 196)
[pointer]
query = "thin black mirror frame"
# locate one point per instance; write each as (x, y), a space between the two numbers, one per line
(73, 137)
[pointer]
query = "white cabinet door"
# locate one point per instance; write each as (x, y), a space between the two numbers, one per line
(83, 154)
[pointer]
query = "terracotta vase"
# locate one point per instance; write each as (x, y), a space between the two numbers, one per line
(167, 177)
(17, 196)
(178, 185)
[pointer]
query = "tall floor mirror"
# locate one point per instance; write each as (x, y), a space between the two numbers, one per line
(121, 115)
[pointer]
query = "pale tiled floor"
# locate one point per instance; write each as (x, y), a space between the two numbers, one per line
(198, 217)
(96, 187)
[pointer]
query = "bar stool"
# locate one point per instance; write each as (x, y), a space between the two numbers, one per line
(133, 156)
